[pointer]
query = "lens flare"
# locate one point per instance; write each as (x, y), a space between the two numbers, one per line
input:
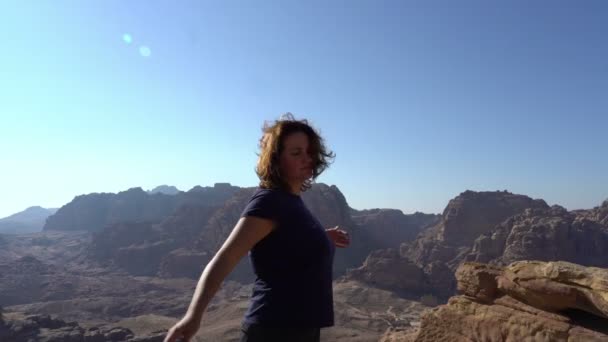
(145, 51)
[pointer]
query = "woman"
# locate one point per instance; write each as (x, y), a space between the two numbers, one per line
(291, 253)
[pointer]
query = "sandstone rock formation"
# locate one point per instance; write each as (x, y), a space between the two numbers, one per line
(527, 300)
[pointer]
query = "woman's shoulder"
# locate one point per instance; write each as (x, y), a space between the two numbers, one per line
(263, 203)
(272, 194)
(264, 194)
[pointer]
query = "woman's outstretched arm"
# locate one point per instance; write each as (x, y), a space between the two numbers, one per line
(246, 233)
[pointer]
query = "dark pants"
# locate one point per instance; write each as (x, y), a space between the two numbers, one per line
(258, 333)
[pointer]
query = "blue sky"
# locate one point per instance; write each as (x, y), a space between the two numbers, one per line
(420, 100)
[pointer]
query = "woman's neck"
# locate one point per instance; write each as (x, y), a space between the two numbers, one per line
(295, 188)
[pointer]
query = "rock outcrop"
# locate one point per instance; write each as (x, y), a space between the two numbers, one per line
(527, 300)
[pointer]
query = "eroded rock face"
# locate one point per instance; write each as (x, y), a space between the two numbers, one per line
(544, 234)
(527, 300)
(474, 213)
(465, 218)
(557, 286)
(464, 319)
(598, 214)
(479, 281)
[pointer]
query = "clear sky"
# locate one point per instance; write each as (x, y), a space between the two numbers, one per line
(420, 100)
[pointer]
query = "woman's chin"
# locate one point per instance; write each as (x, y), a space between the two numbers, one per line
(307, 175)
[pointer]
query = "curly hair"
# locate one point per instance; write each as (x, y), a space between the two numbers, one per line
(271, 147)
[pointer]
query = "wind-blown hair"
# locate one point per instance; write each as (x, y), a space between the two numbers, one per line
(272, 144)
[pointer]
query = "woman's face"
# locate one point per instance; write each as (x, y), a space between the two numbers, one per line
(296, 162)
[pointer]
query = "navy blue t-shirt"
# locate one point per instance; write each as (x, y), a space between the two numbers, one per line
(293, 265)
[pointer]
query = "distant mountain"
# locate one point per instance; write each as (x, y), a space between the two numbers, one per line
(93, 212)
(30, 220)
(164, 189)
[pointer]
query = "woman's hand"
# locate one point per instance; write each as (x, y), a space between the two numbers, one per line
(338, 236)
(184, 330)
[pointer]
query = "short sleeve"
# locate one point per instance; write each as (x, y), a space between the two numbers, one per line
(263, 204)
